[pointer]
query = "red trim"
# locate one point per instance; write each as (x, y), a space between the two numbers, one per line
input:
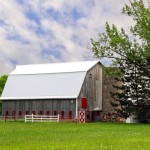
(6, 114)
(19, 114)
(48, 113)
(55, 113)
(40, 113)
(62, 114)
(27, 112)
(33, 112)
(88, 115)
(70, 114)
(13, 114)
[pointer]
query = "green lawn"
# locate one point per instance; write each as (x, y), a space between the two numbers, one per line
(72, 136)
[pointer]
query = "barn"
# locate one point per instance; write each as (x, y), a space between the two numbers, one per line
(67, 89)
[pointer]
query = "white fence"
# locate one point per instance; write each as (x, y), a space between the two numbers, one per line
(41, 118)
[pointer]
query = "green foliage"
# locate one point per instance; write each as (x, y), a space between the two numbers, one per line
(131, 55)
(3, 80)
(72, 136)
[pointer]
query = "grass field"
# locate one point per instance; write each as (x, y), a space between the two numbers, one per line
(72, 136)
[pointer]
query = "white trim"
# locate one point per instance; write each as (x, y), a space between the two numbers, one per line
(42, 97)
(76, 108)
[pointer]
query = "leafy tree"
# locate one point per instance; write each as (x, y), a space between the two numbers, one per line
(131, 55)
(3, 80)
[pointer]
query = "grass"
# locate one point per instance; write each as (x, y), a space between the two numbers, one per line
(72, 136)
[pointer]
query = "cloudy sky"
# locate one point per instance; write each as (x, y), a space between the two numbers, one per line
(45, 31)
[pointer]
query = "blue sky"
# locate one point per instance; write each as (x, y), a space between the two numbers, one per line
(46, 31)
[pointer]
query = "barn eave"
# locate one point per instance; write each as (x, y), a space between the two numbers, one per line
(36, 98)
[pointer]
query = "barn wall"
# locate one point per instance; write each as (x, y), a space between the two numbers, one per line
(96, 88)
(37, 106)
(92, 89)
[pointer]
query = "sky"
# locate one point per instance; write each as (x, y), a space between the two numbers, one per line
(47, 31)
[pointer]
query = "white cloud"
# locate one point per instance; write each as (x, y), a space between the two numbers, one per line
(62, 36)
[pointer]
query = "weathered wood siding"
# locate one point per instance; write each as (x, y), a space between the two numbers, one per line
(39, 105)
(92, 89)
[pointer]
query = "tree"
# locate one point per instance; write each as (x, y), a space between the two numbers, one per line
(131, 55)
(3, 80)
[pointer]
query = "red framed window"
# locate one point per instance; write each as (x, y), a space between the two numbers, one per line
(55, 113)
(84, 102)
(40, 113)
(88, 115)
(27, 112)
(13, 114)
(70, 114)
(48, 113)
(6, 114)
(19, 114)
(62, 114)
(33, 112)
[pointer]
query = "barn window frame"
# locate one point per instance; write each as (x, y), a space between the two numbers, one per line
(62, 114)
(13, 114)
(48, 113)
(20, 114)
(27, 112)
(6, 113)
(55, 112)
(41, 112)
(70, 114)
(33, 112)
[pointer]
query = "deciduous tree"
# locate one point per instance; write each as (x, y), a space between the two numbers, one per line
(130, 53)
(3, 80)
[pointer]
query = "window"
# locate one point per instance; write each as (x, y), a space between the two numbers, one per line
(70, 114)
(88, 115)
(33, 112)
(84, 102)
(40, 113)
(27, 112)
(19, 114)
(6, 114)
(48, 113)
(13, 114)
(62, 114)
(97, 113)
(55, 113)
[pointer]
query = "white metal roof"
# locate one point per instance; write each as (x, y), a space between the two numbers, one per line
(38, 86)
(47, 81)
(54, 67)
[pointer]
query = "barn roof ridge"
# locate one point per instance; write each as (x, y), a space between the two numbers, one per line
(61, 67)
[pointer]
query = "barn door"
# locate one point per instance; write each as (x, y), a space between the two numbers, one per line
(95, 116)
(81, 116)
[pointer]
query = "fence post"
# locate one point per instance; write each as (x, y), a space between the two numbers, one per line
(41, 118)
(32, 117)
(25, 118)
(58, 118)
